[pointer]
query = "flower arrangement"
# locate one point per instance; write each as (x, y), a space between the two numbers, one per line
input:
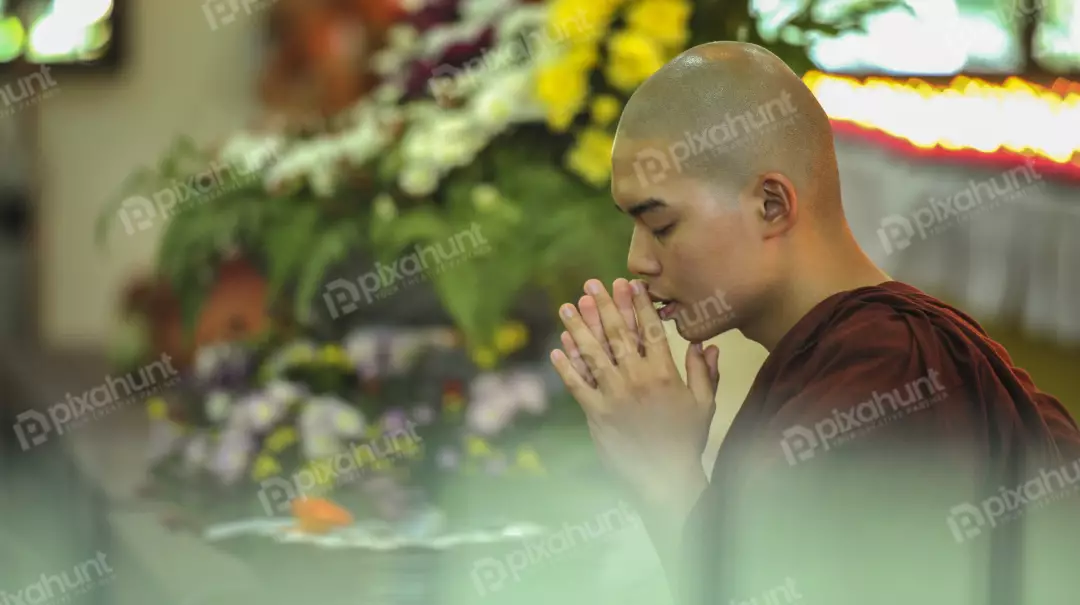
(492, 117)
(370, 415)
(494, 114)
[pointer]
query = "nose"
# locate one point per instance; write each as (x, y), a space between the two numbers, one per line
(640, 259)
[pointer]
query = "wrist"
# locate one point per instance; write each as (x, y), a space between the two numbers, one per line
(676, 492)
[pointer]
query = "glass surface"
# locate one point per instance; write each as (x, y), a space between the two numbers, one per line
(1057, 40)
(55, 31)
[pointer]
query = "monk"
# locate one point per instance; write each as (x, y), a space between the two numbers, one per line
(888, 451)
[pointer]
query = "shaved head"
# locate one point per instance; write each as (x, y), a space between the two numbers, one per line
(725, 161)
(723, 113)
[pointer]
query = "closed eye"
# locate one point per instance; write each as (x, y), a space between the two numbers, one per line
(663, 231)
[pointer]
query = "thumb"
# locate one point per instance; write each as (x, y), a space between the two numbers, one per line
(700, 377)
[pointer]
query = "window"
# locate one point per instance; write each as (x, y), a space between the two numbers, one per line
(56, 31)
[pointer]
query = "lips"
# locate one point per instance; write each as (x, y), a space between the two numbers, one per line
(665, 307)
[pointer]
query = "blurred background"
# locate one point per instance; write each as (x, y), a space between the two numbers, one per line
(256, 249)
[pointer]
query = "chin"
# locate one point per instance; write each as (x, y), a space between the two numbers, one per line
(695, 334)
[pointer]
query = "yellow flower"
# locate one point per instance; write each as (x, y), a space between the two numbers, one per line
(265, 466)
(662, 20)
(511, 337)
(334, 355)
(477, 447)
(632, 58)
(529, 461)
(590, 157)
(281, 439)
(571, 21)
(605, 109)
(484, 357)
(157, 408)
(563, 86)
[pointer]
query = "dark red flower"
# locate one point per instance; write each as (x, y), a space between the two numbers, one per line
(435, 13)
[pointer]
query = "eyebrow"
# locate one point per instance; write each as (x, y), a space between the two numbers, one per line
(641, 208)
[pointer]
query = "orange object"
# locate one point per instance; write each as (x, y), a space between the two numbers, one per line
(319, 516)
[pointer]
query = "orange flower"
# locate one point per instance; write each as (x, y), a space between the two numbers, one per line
(319, 516)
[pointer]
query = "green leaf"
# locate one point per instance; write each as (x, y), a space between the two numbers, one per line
(414, 226)
(331, 248)
(288, 244)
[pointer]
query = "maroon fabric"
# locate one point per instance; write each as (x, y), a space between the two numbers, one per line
(874, 417)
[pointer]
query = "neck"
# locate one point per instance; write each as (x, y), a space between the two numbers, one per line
(831, 269)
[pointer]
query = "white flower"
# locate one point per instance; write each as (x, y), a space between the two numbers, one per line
(284, 391)
(197, 452)
(388, 93)
(217, 406)
(324, 421)
(250, 152)
(419, 182)
(387, 61)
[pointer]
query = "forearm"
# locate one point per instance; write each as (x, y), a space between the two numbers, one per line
(664, 513)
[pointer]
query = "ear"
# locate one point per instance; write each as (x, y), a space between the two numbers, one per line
(778, 207)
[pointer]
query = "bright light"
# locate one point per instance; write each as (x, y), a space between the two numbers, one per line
(1018, 116)
(926, 42)
(54, 36)
(82, 12)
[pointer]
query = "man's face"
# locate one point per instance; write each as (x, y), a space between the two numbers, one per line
(698, 249)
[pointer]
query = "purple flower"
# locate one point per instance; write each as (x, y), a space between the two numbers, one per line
(232, 456)
(224, 366)
(324, 421)
(395, 421)
(434, 13)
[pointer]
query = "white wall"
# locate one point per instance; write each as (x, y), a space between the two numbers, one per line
(180, 78)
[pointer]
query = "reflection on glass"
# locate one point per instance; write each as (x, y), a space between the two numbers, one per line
(1057, 40)
(55, 31)
(931, 37)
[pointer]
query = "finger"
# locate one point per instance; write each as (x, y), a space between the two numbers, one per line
(592, 352)
(586, 396)
(624, 302)
(698, 377)
(591, 314)
(651, 328)
(712, 358)
(572, 351)
(623, 344)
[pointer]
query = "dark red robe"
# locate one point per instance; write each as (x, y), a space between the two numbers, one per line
(890, 452)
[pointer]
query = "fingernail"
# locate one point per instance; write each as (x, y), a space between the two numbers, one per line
(697, 347)
(567, 311)
(635, 286)
(592, 287)
(556, 355)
